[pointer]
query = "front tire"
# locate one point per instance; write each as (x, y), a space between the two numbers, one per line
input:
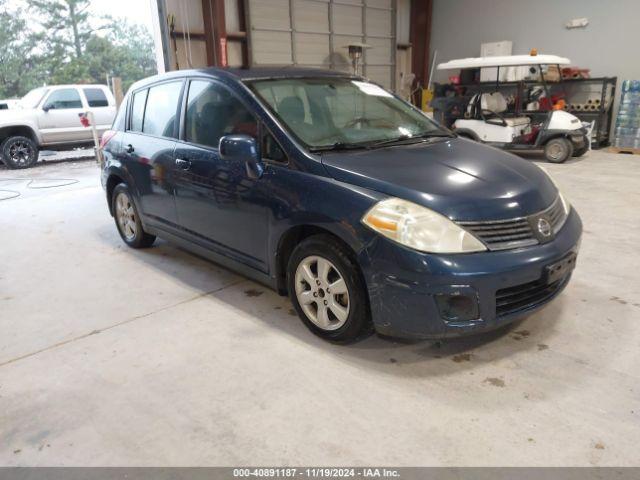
(127, 219)
(581, 151)
(19, 152)
(558, 150)
(327, 290)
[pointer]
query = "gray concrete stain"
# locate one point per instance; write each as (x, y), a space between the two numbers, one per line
(496, 382)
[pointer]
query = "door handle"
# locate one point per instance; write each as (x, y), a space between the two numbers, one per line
(129, 148)
(183, 164)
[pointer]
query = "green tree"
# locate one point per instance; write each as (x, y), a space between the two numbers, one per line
(66, 49)
(127, 52)
(19, 69)
(65, 23)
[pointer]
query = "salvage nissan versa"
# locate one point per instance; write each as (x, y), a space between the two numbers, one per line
(328, 188)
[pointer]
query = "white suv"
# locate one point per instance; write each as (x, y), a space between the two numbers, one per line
(50, 117)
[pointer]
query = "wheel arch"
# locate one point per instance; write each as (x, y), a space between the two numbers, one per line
(291, 237)
(546, 137)
(19, 130)
(113, 180)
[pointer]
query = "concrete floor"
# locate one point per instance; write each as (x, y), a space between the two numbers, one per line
(111, 356)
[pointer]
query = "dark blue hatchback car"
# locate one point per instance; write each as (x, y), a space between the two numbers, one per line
(329, 188)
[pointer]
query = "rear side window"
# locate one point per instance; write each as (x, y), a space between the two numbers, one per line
(119, 121)
(96, 97)
(213, 112)
(162, 107)
(137, 110)
(64, 98)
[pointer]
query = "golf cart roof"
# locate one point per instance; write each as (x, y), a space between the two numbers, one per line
(503, 61)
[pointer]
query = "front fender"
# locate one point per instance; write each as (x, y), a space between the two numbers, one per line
(337, 210)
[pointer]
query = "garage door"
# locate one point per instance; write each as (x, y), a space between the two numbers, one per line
(315, 33)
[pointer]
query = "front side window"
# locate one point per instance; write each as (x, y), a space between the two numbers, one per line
(96, 97)
(161, 110)
(137, 110)
(63, 99)
(328, 111)
(270, 148)
(213, 112)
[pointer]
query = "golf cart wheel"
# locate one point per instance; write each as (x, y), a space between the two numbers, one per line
(327, 290)
(558, 150)
(127, 219)
(581, 151)
(19, 152)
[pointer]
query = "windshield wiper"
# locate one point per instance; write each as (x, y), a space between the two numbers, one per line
(409, 139)
(338, 146)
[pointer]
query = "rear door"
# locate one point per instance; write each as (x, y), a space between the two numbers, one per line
(59, 117)
(101, 103)
(148, 149)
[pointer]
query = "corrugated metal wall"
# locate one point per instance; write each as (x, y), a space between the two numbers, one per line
(315, 33)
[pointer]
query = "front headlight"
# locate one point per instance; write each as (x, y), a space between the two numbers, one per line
(419, 228)
(566, 206)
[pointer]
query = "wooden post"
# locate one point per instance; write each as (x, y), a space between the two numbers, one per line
(116, 88)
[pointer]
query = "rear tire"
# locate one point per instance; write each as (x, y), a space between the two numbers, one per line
(327, 290)
(558, 150)
(19, 152)
(127, 219)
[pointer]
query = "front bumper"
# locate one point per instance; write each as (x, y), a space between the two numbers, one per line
(403, 283)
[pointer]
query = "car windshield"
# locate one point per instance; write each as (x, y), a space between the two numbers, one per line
(32, 99)
(325, 112)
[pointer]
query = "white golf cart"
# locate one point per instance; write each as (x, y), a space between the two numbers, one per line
(487, 116)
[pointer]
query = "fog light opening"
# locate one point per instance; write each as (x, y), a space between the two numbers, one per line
(457, 307)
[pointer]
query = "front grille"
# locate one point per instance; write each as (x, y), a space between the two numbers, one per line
(515, 232)
(513, 299)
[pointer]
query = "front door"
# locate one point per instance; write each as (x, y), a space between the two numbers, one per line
(217, 203)
(59, 117)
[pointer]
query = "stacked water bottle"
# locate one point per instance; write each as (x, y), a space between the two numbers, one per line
(627, 133)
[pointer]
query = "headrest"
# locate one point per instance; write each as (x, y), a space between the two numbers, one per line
(291, 109)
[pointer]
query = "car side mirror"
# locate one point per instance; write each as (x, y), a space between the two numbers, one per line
(47, 107)
(242, 148)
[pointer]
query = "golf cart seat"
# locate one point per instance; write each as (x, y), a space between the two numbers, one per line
(490, 106)
(485, 120)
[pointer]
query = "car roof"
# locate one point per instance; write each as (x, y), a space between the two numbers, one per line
(254, 73)
(76, 85)
(503, 61)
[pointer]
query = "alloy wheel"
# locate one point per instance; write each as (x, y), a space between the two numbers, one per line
(20, 153)
(126, 216)
(322, 293)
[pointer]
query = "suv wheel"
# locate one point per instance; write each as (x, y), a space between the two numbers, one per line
(327, 291)
(128, 220)
(558, 150)
(19, 152)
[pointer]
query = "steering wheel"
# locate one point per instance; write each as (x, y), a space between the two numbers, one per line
(484, 113)
(381, 122)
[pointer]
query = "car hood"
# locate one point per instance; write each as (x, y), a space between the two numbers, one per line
(458, 178)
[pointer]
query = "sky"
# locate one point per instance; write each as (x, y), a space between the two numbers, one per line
(136, 11)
